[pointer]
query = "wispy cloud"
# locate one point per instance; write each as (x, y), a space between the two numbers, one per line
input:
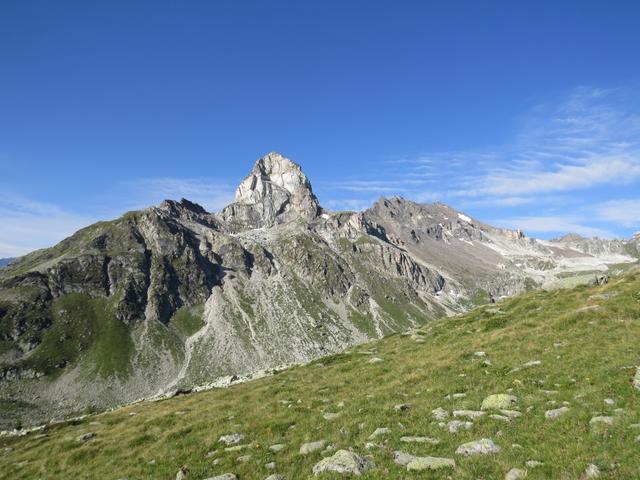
(27, 225)
(573, 153)
(349, 204)
(624, 212)
(588, 140)
(211, 194)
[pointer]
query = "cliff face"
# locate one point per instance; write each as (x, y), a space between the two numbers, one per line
(173, 296)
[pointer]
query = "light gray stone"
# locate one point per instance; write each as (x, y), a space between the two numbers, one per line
(555, 413)
(231, 439)
(430, 463)
(484, 446)
(343, 461)
(499, 401)
(412, 439)
(309, 447)
(515, 474)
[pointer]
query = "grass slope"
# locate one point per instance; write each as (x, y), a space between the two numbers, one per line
(586, 340)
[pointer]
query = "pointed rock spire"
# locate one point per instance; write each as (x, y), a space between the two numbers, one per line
(276, 191)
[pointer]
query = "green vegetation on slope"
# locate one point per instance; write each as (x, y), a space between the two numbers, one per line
(84, 330)
(565, 347)
(188, 320)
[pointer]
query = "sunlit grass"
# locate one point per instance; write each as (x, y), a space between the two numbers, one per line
(586, 356)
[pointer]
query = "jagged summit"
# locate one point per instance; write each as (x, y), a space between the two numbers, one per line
(276, 191)
(174, 207)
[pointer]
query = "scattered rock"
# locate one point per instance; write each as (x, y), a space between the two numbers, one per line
(344, 461)
(402, 407)
(500, 418)
(484, 446)
(499, 401)
(430, 463)
(402, 458)
(555, 413)
(592, 471)
(270, 466)
(182, 473)
(533, 463)
(455, 396)
(454, 426)
(275, 477)
(231, 439)
(375, 360)
(243, 459)
(379, 431)
(277, 447)
(410, 439)
(85, 437)
(309, 447)
(471, 414)
(515, 474)
(224, 476)
(439, 414)
(330, 416)
(636, 379)
(609, 401)
(511, 414)
(601, 420)
(532, 363)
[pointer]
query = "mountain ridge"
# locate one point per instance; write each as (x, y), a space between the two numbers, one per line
(173, 296)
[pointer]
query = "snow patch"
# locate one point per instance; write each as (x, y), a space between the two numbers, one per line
(463, 217)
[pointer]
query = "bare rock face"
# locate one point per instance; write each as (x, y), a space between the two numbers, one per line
(275, 192)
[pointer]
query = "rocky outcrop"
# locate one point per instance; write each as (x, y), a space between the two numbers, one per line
(276, 191)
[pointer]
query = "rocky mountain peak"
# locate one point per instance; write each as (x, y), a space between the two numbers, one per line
(175, 207)
(276, 191)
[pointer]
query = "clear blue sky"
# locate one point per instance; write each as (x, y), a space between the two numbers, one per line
(524, 114)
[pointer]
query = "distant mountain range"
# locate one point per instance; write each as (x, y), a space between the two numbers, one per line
(5, 261)
(173, 296)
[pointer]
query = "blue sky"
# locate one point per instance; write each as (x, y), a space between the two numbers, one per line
(522, 114)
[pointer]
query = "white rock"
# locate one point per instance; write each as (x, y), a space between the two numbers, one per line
(344, 461)
(471, 414)
(592, 471)
(515, 474)
(454, 426)
(309, 447)
(411, 439)
(379, 431)
(555, 413)
(231, 439)
(439, 414)
(484, 446)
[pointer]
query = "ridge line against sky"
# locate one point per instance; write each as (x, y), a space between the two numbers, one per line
(521, 115)
(587, 143)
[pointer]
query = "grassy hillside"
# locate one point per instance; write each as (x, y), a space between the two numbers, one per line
(577, 348)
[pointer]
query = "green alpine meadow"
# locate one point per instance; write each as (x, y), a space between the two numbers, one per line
(547, 379)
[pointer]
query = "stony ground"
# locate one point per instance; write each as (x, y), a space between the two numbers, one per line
(541, 386)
